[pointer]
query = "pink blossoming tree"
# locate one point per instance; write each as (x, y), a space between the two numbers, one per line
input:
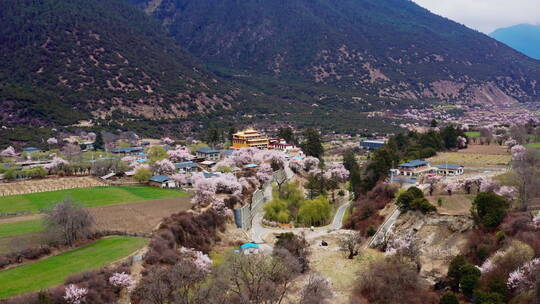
(74, 294)
(122, 280)
(8, 152)
(52, 141)
(164, 167)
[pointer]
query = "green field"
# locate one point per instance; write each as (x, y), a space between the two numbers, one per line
(90, 197)
(54, 270)
(472, 134)
(534, 145)
(17, 228)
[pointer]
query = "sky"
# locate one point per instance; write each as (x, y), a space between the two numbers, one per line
(486, 15)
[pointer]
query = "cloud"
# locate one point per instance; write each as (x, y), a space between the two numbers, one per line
(486, 15)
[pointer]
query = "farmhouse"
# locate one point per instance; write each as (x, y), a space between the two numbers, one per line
(414, 168)
(372, 144)
(449, 169)
(250, 139)
(127, 150)
(187, 167)
(208, 154)
(161, 181)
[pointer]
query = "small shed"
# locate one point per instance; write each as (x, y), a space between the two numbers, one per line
(449, 169)
(249, 248)
(162, 181)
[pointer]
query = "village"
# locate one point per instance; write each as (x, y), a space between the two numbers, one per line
(333, 209)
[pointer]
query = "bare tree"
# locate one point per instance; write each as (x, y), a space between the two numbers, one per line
(528, 172)
(154, 288)
(70, 221)
(351, 242)
(316, 291)
(256, 278)
(70, 151)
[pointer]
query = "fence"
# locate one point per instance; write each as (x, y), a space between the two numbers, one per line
(243, 217)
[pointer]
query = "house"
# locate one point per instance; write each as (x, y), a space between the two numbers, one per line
(207, 164)
(372, 144)
(162, 181)
(449, 169)
(87, 145)
(128, 150)
(208, 154)
(249, 139)
(280, 145)
(414, 168)
(249, 248)
(187, 167)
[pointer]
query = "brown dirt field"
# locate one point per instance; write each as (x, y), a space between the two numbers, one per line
(457, 204)
(8, 220)
(138, 217)
(486, 149)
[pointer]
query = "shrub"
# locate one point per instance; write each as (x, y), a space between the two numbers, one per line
(449, 298)
(488, 298)
(423, 205)
(417, 193)
(315, 212)
(454, 271)
(371, 231)
(405, 199)
(142, 175)
(470, 277)
(489, 209)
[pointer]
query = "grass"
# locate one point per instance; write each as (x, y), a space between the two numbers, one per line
(470, 159)
(18, 228)
(89, 197)
(534, 145)
(54, 270)
(472, 134)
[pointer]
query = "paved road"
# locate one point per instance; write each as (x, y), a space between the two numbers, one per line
(337, 222)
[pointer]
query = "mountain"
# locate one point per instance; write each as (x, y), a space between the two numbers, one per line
(523, 37)
(63, 61)
(353, 53)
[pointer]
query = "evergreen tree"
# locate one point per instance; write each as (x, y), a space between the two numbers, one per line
(98, 143)
(312, 145)
(287, 134)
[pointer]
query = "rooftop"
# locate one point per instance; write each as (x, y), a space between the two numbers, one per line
(449, 167)
(414, 163)
(159, 178)
(249, 245)
(207, 151)
(30, 149)
(185, 165)
(127, 150)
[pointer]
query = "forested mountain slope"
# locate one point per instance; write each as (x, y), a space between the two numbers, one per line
(354, 50)
(62, 61)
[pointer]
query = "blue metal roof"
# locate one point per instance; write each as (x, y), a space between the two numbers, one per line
(249, 245)
(207, 151)
(209, 175)
(414, 163)
(449, 167)
(127, 150)
(142, 160)
(297, 158)
(251, 166)
(159, 178)
(227, 152)
(185, 165)
(30, 149)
